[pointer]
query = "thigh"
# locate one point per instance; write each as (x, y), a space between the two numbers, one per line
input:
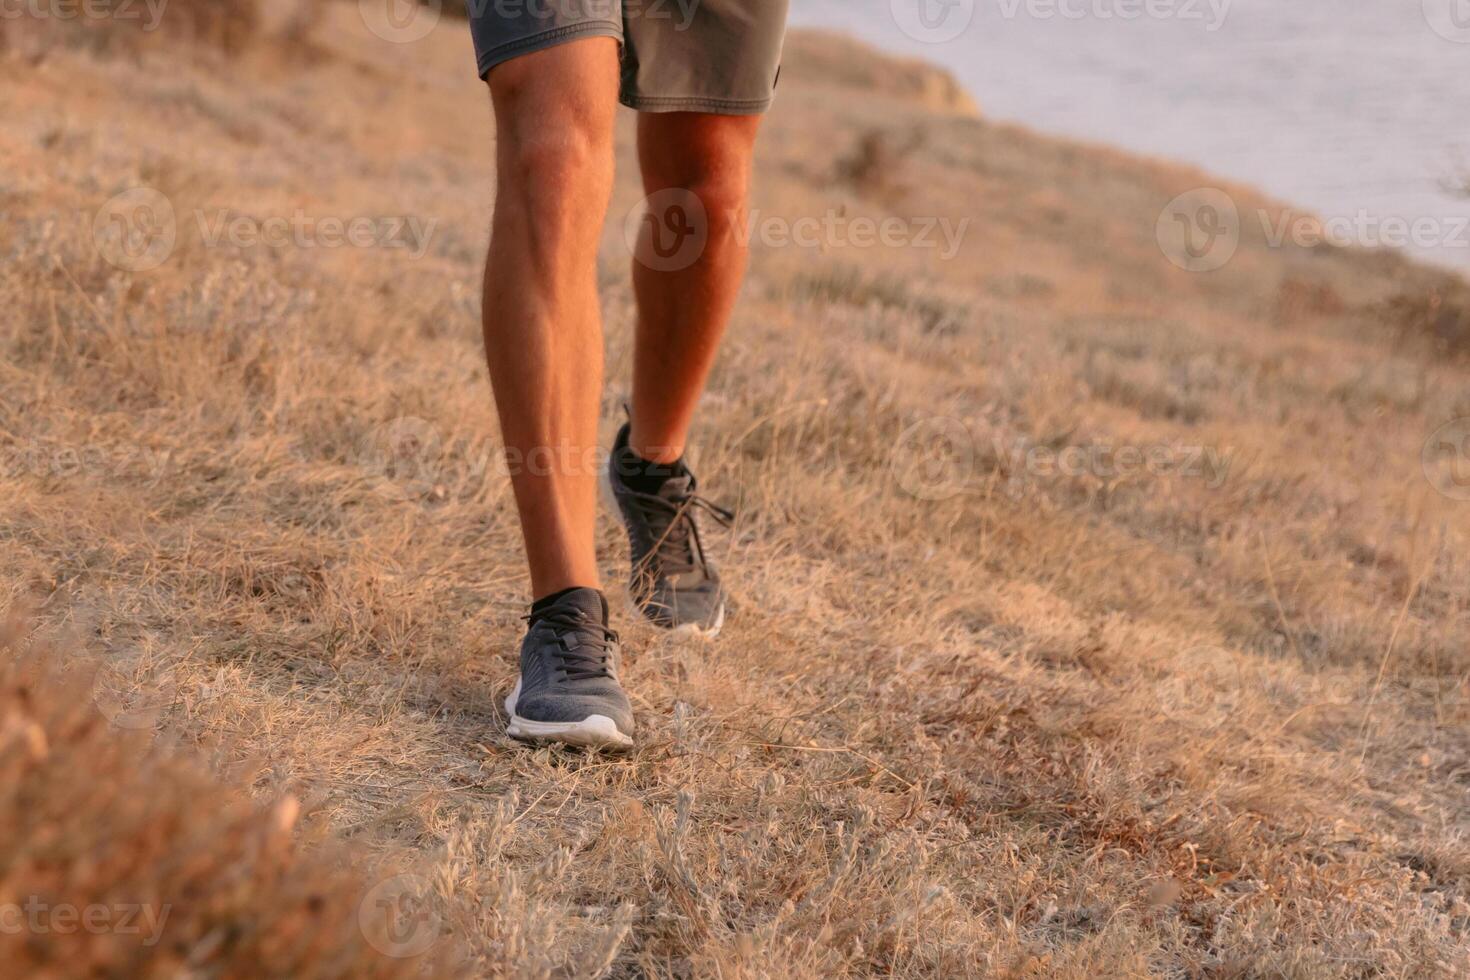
(546, 85)
(712, 56)
(504, 30)
(554, 113)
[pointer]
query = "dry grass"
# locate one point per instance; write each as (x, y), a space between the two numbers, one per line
(1027, 723)
(122, 857)
(114, 28)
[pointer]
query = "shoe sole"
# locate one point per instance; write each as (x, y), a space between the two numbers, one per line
(610, 501)
(592, 732)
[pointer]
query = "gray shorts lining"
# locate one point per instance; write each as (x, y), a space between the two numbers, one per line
(549, 38)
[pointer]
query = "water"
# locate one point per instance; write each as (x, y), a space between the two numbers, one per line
(1351, 109)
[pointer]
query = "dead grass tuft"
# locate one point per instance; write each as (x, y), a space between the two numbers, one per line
(1437, 315)
(125, 857)
(183, 27)
(875, 166)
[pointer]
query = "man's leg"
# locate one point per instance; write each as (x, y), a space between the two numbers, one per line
(684, 302)
(682, 313)
(543, 339)
(554, 112)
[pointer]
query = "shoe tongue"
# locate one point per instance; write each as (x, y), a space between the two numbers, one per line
(591, 603)
(676, 486)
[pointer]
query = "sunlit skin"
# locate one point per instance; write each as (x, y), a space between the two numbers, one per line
(555, 111)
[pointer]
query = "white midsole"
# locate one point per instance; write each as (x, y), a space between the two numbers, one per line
(594, 731)
(688, 629)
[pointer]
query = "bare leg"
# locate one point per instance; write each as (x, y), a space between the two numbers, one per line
(554, 115)
(682, 313)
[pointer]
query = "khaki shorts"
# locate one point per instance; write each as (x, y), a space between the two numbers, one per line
(718, 56)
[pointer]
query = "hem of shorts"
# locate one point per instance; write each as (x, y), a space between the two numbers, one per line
(694, 103)
(548, 38)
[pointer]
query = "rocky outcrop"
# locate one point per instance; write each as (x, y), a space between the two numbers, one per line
(823, 57)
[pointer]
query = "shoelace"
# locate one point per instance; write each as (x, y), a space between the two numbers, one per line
(592, 657)
(677, 544)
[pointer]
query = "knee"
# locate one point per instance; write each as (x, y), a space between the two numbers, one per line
(723, 190)
(557, 167)
(562, 169)
(721, 183)
(714, 162)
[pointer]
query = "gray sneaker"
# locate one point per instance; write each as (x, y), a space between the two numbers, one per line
(568, 690)
(673, 583)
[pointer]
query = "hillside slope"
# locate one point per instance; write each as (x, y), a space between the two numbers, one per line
(1095, 617)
